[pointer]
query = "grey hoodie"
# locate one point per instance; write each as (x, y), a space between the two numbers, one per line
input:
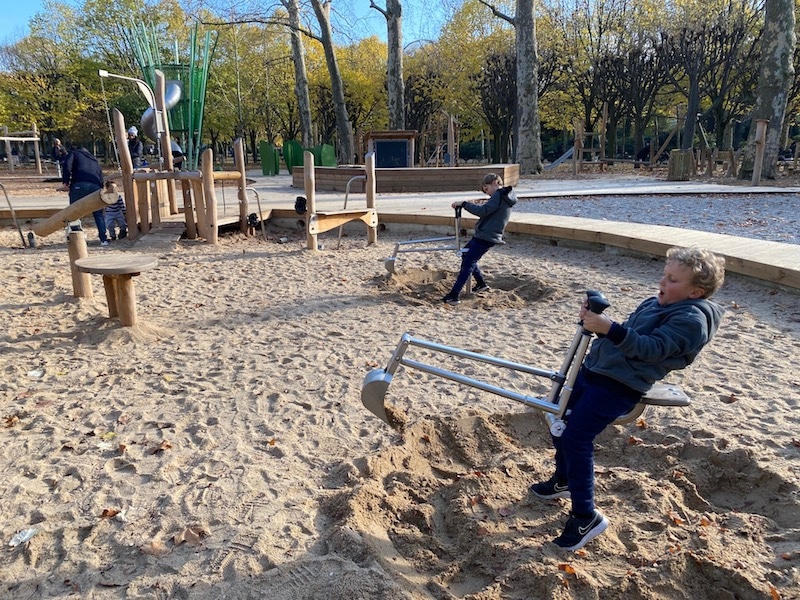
(493, 215)
(654, 341)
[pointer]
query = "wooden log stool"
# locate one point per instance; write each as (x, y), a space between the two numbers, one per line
(118, 271)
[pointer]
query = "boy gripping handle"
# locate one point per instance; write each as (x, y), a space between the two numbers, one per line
(665, 333)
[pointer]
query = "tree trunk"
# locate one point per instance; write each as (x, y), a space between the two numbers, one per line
(394, 24)
(774, 82)
(692, 106)
(345, 148)
(527, 124)
(300, 76)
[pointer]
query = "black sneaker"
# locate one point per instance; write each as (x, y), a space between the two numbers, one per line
(452, 300)
(481, 288)
(579, 531)
(550, 489)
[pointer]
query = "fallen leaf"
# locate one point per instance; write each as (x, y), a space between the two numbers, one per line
(567, 568)
(633, 440)
(705, 521)
(730, 399)
(109, 435)
(581, 552)
(641, 423)
(786, 556)
(675, 518)
(191, 535)
(10, 420)
(271, 442)
(677, 474)
(165, 445)
(109, 513)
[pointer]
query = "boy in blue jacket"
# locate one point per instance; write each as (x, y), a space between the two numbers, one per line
(665, 333)
(493, 215)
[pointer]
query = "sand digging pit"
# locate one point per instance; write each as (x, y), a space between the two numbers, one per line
(446, 512)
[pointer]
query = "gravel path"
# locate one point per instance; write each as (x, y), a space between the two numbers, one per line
(773, 217)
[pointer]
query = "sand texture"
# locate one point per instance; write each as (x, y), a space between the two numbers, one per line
(219, 448)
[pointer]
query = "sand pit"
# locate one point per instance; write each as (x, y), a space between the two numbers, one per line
(219, 448)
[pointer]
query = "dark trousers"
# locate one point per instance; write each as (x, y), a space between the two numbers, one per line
(470, 255)
(595, 402)
(79, 190)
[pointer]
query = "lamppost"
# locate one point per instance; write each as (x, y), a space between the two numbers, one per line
(147, 92)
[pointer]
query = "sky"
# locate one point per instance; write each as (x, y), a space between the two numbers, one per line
(17, 13)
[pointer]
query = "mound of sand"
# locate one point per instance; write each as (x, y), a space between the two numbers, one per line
(220, 449)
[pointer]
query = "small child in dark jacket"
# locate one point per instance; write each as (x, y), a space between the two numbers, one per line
(115, 214)
(494, 215)
(665, 333)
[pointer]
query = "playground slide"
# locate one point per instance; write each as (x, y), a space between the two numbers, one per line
(566, 156)
(172, 95)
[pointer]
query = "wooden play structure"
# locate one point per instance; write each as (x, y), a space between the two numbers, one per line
(320, 222)
(151, 195)
(31, 135)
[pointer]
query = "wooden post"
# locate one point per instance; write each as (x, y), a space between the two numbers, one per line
(143, 196)
(238, 156)
(200, 207)
(211, 231)
(188, 209)
(760, 139)
(309, 182)
(369, 187)
(577, 152)
(36, 153)
(76, 247)
(166, 141)
(681, 165)
(129, 190)
(125, 299)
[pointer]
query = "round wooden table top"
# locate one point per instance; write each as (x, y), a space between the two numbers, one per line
(116, 264)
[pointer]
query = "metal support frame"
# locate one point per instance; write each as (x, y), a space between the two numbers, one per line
(389, 263)
(554, 405)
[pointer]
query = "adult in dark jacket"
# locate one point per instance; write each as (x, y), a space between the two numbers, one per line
(135, 147)
(494, 215)
(81, 175)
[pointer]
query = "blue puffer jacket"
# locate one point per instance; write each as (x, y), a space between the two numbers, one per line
(493, 215)
(654, 341)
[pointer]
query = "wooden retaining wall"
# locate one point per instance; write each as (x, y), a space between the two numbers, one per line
(432, 179)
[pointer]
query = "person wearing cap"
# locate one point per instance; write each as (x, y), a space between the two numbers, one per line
(135, 147)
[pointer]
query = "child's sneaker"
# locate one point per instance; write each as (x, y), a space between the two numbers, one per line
(550, 489)
(104, 243)
(481, 288)
(452, 300)
(123, 234)
(579, 531)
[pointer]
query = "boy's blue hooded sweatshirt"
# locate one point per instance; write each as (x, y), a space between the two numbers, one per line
(654, 341)
(493, 215)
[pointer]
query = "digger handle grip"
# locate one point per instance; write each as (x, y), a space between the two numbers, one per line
(597, 301)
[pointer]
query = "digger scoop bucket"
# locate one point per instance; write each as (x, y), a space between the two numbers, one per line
(373, 392)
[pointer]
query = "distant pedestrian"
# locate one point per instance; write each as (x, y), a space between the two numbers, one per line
(135, 147)
(115, 214)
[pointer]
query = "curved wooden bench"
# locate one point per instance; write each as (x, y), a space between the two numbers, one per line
(118, 271)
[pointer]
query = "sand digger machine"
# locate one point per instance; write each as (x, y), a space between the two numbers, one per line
(554, 405)
(421, 245)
